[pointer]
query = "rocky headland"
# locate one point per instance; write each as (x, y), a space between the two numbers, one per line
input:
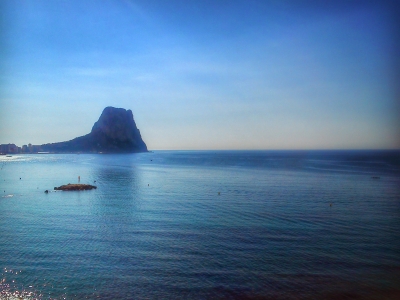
(114, 132)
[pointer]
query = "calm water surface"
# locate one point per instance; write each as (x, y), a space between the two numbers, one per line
(202, 225)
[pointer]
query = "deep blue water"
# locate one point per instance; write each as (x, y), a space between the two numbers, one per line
(202, 225)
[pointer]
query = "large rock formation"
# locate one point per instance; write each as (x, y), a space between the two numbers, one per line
(114, 132)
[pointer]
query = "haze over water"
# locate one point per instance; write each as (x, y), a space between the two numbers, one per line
(202, 224)
(203, 74)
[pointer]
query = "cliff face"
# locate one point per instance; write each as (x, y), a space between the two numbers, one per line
(114, 132)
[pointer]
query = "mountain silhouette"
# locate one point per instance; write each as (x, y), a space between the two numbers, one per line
(114, 132)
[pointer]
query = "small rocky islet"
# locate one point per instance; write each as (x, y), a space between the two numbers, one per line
(75, 187)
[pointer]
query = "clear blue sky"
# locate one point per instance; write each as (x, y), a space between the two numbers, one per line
(203, 74)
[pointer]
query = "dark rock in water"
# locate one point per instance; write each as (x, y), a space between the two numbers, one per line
(75, 187)
(114, 132)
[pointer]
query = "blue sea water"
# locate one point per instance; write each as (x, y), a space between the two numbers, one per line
(201, 225)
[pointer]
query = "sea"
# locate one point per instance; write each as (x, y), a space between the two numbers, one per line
(201, 225)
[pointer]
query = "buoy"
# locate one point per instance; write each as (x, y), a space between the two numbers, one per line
(219, 193)
(79, 178)
(46, 191)
(330, 204)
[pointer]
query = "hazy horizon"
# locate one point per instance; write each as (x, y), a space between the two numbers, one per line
(204, 75)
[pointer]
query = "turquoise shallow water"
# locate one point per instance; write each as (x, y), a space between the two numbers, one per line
(202, 225)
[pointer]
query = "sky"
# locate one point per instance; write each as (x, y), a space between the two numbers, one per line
(203, 74)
